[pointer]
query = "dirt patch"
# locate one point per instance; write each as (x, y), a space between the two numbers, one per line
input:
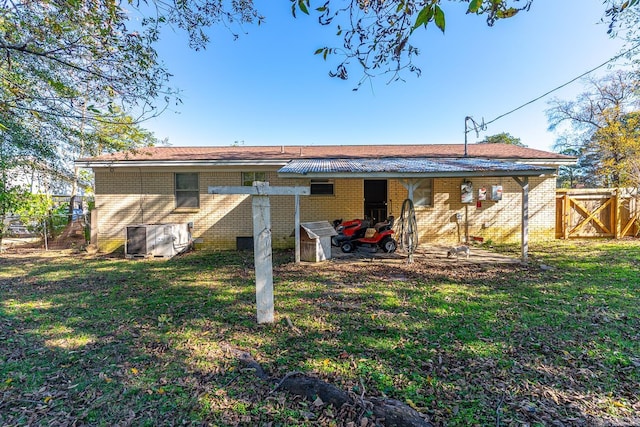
(429, 254)
(72, 237)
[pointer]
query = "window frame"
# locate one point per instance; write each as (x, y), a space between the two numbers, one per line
(315, 183)
(186, 192)
(248, 178)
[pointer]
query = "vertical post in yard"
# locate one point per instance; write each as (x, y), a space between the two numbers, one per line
(93, 215)
(466, 224)
(297, 225)
(524, 229)
(44, 228)
(263, 257)
(525, 219)
(566, 219)
(617, 214)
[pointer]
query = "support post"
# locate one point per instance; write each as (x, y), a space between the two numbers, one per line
(524, 229)
(566, 217)
(93, 216)
(46, 241)
(297, 225)
(466, 224)
(617, 214)
(263, 257)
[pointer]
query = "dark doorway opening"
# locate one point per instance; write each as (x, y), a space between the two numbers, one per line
(375, 199)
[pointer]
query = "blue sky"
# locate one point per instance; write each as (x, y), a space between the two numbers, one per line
(267, 87)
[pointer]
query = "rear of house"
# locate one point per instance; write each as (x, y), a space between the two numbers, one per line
(170, 185)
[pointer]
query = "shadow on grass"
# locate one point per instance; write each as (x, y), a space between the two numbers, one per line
(109, 340)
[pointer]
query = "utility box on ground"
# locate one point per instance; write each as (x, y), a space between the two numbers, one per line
(157, 240)
(315, 241)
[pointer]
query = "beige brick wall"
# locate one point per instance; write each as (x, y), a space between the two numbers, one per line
(497, 221)
(125, 197)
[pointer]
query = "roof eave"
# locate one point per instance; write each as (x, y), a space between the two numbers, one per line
(545, 162)
(400, 175)
(176, 163)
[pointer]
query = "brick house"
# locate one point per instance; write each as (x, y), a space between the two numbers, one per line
(170, 185)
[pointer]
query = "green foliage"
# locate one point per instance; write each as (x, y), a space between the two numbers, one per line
(431, 12)
(34, 206)
(377, 35)
(57, 55)
(618, 143)
(603, 130)
(70, 71)
(624, 17)
(32, 209)
(12, 199)
(502, 138)
(474, 6)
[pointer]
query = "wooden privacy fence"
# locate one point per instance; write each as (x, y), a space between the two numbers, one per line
(611, 212)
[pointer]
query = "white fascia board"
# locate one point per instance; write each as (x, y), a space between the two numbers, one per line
(554, 162)
(173, 164)
(548, 162)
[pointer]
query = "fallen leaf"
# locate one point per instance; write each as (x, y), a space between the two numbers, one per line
(104, 377)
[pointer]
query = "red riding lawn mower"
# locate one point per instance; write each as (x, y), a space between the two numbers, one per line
(356, 234)
(349, 230)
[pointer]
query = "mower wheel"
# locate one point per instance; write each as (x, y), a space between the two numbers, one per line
(389, 245)
(347, 247)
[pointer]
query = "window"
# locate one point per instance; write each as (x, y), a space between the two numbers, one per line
(249, 177)
(423, 193)
(187, 190)
(322, 187)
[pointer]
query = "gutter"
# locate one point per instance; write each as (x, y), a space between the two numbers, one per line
(396, 175)
(545, 162)
(173, 163)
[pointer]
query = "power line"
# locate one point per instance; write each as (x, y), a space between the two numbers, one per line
(564, 84)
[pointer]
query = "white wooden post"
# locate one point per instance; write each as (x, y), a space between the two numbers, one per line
(297, 225)
(262, 253)
(524, 229)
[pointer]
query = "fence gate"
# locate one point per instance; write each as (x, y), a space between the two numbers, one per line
(609, 212)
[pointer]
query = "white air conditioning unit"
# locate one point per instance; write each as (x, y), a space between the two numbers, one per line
(157, 240)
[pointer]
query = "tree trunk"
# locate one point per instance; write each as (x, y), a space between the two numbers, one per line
(389, 412)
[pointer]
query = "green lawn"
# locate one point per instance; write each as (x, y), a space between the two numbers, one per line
(104, 341)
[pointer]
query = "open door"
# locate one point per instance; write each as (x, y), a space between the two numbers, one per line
(375, 199)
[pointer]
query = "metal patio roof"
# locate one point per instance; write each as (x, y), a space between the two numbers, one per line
(408, 168)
